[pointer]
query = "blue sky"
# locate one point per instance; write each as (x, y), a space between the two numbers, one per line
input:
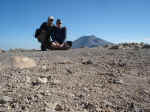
(113, 20)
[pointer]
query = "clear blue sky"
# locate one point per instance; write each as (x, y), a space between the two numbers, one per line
(112, 20)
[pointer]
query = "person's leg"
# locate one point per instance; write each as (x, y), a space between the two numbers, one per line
(43, 47)
(69, 43)
(44, 41)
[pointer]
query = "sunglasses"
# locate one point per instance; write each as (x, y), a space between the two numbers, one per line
(51, 20)
(59, 23)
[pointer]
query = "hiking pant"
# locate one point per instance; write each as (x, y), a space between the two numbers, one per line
(44, 39)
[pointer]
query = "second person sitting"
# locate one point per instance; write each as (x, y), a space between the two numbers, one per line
(59, 35)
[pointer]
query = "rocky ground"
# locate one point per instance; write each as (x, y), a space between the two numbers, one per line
(78, 80)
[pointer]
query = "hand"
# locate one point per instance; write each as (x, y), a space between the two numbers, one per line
(55, 44)
(61, 45)
(43, 31)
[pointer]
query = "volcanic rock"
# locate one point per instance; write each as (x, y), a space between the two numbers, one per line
(23, 62)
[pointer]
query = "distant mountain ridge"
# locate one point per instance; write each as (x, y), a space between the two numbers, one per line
(89, 41)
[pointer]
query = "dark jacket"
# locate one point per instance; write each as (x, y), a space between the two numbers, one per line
(59, 35)
(44, 27)
(48, 29)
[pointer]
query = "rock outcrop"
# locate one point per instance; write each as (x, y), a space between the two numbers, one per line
(128, 46)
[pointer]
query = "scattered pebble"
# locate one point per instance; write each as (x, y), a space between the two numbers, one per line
(44, 67)
(86, 62)
(68, 70)
(28, 79)
(118, 81)
(58, 107)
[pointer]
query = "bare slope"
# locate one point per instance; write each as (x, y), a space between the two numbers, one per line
(78, 80)
(89, 41)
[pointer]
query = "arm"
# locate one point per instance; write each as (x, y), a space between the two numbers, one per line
(64, 34)
(53, 34)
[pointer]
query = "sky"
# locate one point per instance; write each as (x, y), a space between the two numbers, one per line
(112, 20)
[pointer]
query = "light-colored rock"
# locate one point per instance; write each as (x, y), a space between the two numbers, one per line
(28, 79)
(42, 80)
(1, 51)
(44, 67)
(23, 62)
(55, 81)
(53, 107)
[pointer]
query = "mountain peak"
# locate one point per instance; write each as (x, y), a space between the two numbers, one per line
(89, 41)
(88, 36)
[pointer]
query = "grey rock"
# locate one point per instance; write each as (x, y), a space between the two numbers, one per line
(5, 99)
(114, 47)
(42, 80)
(88, 106)
(118, 81)
(86, 62)
(58, 107)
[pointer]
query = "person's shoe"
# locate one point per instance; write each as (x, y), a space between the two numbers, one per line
(43, 48)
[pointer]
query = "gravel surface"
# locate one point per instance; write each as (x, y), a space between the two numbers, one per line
(78, 80)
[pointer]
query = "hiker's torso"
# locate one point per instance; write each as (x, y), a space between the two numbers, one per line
(47, 28)
(60, 34)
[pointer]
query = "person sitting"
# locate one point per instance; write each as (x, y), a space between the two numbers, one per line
(59, 35)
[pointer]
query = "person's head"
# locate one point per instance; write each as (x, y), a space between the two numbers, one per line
(58, 23)
(50, 20)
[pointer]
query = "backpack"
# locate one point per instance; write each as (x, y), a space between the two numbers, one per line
(37, 32)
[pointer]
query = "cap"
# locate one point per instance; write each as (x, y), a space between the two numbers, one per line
(51, 18)
(58, 21)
